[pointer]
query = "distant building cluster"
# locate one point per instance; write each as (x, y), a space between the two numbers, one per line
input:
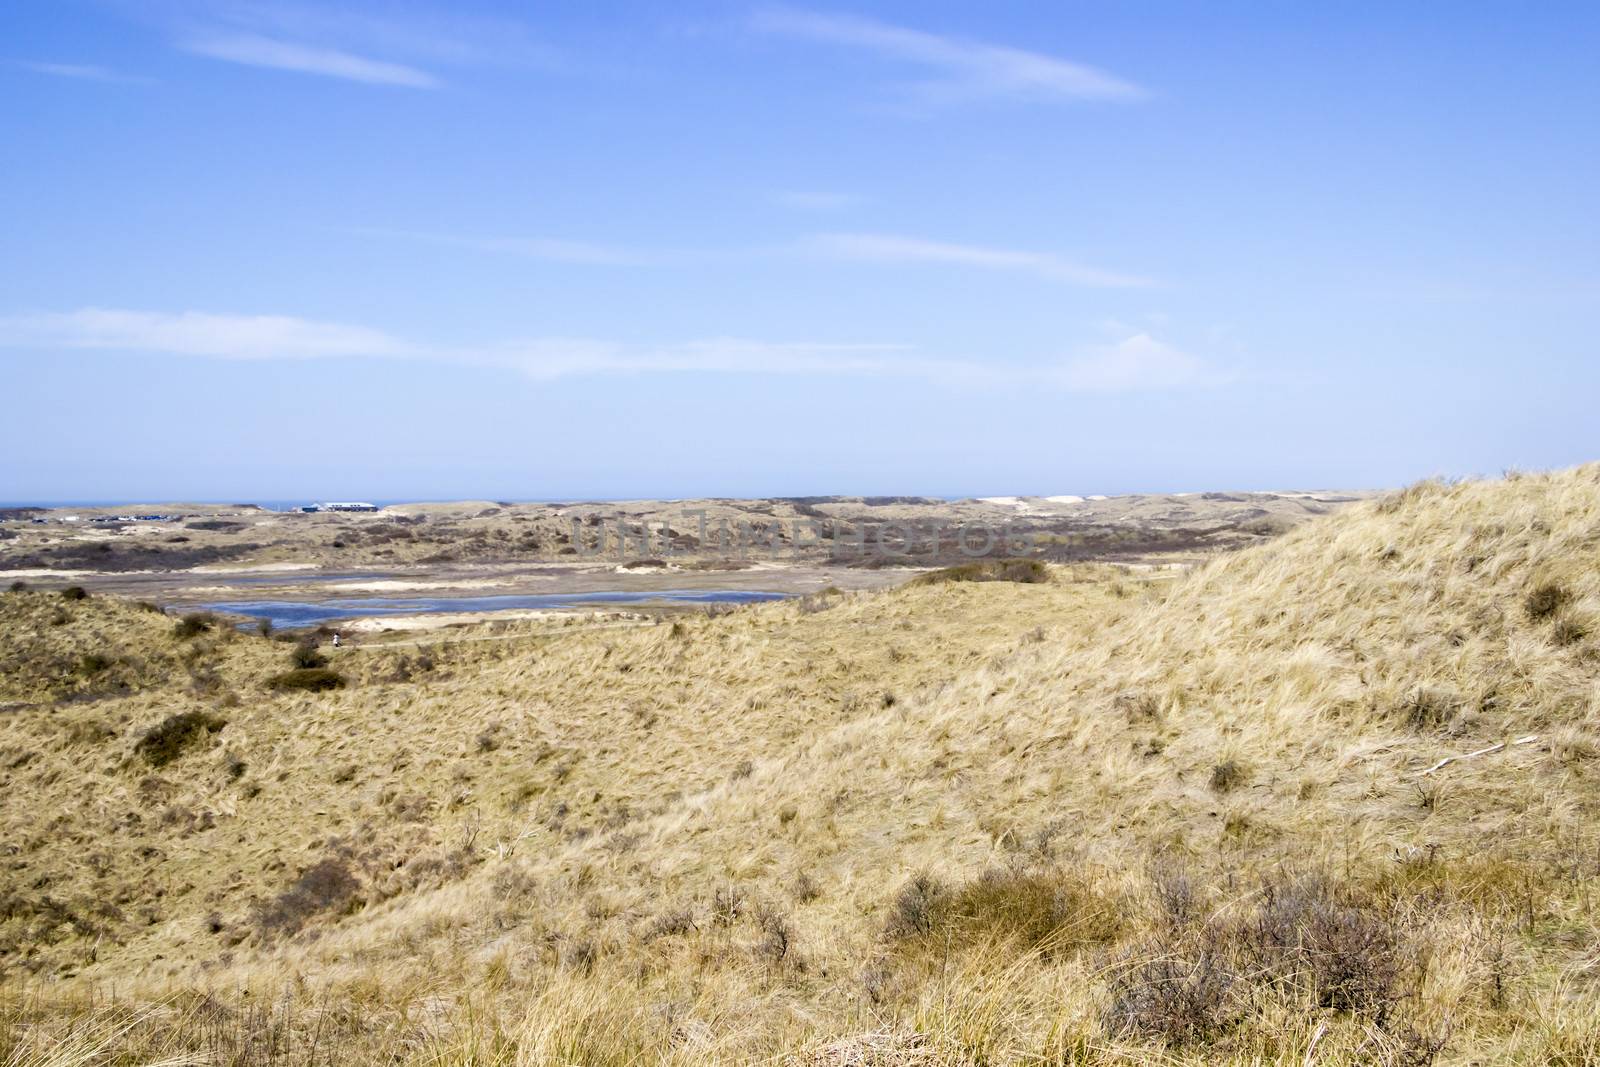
(346, 505)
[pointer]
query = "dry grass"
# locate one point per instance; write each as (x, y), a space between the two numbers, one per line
(1103, 819)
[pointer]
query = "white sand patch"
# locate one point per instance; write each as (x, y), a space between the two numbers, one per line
(396, 585)
(435, 621)
(1067, 499)
(1003, 501)
(1095, 496)
(46, 572)
(259, 568)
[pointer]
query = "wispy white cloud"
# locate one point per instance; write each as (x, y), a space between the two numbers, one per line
(965, 69)
(552, 249)
(549, 358)
(256, 51)
(860, 247)
(889, 248)
(1139, 362)
(373, 43)
(79, 71)
(197, 333)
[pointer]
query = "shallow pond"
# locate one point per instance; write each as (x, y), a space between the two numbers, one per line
(295, 613)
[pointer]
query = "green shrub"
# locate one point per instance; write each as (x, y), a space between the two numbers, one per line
(19, 586)
(93, 663)
(74, 592)
(170, 738)
(307, 679)
(1026, 571)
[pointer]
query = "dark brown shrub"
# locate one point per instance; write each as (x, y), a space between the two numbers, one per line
(1568, 631)
(674, 922)
(193, 624)
(328, 885)
(777, 937)
(1544, 601)
(74, 592)
(1176, 994)
(305, 655)
(170, 738)
(307, 679)
(1226, 775)
(1026, 571)
(1428, 708)
(917, 907)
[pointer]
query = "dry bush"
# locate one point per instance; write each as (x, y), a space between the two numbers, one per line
(176, 734)
(1306, 943)
(307, 679)
(1226, 775)
(193, 624)
(1046, 909)
(1543, 601)
(1025, 571)
(329, 885)
(305, 655)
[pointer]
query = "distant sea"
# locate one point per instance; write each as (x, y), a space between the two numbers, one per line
(268, 505)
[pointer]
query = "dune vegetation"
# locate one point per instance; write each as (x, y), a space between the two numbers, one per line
(1330, 799)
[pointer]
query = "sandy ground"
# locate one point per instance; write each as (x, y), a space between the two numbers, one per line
(410, 623)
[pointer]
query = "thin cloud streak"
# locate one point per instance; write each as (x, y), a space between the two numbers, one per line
(552, 249)
(197, 333)
(256, 51)
(78, 71)
(890, 248)
(967, 68)
(856, 247)
(1137, 363)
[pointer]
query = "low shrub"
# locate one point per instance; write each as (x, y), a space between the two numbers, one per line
(170, 738)
(1226, 775)
(1544, 601)
(1310, 943)
(305, 655)
(328, 885)
(193, 624)
(1026, 571)
(307, 679)
(1048, 909)
(1569, 631)
(74, 592)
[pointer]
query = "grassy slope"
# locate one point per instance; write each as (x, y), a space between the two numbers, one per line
(598, 847)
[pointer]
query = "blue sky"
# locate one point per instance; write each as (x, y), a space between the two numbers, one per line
(276, 251)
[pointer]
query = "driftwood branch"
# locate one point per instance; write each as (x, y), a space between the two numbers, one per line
(1481, 752)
